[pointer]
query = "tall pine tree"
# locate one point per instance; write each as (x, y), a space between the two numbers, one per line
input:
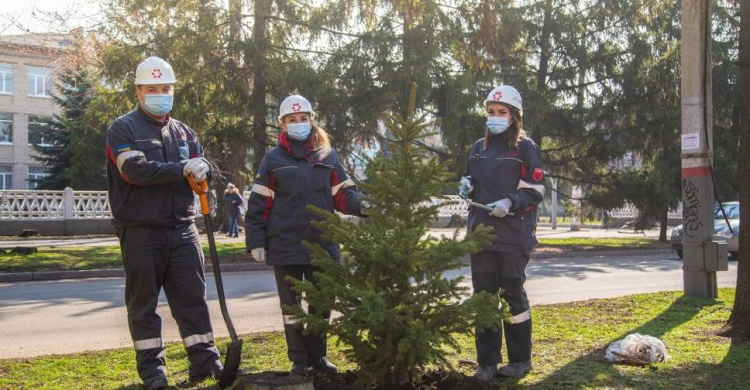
(74, 96)
(398, 310)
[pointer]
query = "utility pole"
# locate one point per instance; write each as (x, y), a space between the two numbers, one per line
(702, 257)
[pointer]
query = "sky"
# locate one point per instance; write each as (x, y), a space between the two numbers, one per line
(40, 16)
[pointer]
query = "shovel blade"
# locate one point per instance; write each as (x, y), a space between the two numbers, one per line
(231, 364)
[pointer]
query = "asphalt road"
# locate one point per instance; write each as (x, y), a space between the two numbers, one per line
(60, 317)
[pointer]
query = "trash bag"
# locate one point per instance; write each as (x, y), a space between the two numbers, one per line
(637, 349)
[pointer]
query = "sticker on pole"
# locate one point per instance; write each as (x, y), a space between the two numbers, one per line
(691, 141)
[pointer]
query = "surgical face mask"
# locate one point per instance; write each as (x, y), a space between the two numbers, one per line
(298, 131)
(497, 125)
(158, 104)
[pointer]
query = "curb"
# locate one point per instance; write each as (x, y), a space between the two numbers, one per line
(10, 277)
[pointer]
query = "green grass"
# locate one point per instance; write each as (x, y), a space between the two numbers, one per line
(66, 258)
(604, 243)
(569, 344)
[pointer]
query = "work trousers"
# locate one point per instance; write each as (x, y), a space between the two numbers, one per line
(171, 258)
(491, 271)
(300, 348)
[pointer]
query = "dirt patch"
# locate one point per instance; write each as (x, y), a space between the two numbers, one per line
(432, 380)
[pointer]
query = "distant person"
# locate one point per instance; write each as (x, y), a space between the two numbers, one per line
(505, 172)
(233, 201)
(302, 170)
(150, 154)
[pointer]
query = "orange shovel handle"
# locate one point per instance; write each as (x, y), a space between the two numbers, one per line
(202, 191)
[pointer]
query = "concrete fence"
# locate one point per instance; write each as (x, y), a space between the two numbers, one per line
(69, 212)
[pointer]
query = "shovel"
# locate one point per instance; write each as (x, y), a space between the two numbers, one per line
(234, 349)
(479, 205)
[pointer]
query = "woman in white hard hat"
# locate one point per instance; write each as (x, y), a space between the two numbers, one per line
(302, 170)
(505, 172)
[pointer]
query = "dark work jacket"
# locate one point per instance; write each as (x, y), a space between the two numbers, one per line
(292, 176)
(501, 172)
(144, 173)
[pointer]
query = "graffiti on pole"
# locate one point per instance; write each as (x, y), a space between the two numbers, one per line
(691, 207)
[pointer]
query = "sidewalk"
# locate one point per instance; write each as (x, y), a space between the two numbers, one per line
(542, 232)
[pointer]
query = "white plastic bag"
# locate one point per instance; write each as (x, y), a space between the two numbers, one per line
(637, 349)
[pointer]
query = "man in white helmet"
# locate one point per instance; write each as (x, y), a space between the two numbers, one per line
(150, 154)
(505, 172)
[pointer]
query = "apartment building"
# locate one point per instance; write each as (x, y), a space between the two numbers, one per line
(28, 64)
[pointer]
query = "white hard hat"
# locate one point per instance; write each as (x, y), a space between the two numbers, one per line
(154, 70)
(504, 94)
(294, 104)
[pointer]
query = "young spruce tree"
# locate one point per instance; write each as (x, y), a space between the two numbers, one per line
(398, 310)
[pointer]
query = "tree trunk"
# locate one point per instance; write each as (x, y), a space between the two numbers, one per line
(541, 76)
(663, 227)
(738, 325)
(237, 150)
(258, 99)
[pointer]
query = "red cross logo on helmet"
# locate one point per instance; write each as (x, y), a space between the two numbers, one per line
(156, 73)
(498, 95)
(296, 107)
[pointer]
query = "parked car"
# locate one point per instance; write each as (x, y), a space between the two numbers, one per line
(733, 214)
(732, 239)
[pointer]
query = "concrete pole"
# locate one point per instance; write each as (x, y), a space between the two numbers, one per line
(697, 134)
(554, 204)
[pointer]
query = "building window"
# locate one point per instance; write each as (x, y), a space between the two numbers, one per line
(40, 81)
(36, 136)
(6, 79)
(35, 175)
(6, 177)
(6, 128)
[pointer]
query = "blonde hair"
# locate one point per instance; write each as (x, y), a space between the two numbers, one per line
(514, 132)
(319, 137)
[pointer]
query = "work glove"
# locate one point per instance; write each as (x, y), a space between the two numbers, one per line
(500, 208)
(259, 254)
(196, 167)
(465, 189)
(364, 207)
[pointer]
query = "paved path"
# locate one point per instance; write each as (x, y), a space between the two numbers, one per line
(58, 317)
(543, 231)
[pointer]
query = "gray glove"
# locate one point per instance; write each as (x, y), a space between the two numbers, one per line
(259, 254)
(500, 208)
(196, 167)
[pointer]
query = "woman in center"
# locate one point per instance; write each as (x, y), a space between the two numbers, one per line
(301, 170)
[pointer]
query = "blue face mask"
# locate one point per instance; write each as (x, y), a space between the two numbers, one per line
(497, 125)
(298, 131)
(158, 104)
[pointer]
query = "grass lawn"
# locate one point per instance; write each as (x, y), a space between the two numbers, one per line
(103, 257)
(569, 344)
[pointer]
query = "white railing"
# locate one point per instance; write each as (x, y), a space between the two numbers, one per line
(69, 204)
(32, 204)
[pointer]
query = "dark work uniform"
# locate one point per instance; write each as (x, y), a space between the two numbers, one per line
(517, 174)
(153, 209)
(291, 176)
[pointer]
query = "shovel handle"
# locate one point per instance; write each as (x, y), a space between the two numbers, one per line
(202, 190)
